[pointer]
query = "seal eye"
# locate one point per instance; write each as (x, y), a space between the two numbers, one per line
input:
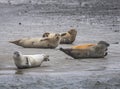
(17, 54)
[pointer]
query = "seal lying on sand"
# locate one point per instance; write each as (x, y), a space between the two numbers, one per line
(97, 51)
(66, 38)
(28, 61)
(47, 42)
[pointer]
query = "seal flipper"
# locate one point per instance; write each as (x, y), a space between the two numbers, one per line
(69, 52)
(105, 54)
(45, 39)
(15, 42)
(63, 34)
(65, 51)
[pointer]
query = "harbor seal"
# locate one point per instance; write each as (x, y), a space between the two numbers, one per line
(97, 51)
(47, 42)
(27, 61)
(66, 38)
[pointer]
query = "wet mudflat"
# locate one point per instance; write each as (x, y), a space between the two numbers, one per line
(62, 71)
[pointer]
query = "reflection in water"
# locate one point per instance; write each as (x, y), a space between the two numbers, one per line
(102, 68)
(19, 71)
(7, 71)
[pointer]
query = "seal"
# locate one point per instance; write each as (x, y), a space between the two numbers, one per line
(97, 51)
(66, 38)
(46, 42)
(28, 61)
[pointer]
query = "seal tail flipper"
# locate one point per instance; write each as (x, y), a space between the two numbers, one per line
(70, 52)
(65, 50)
(15, 42)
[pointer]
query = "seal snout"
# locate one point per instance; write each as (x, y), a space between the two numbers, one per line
(57, 36)
(16, 53)
(46, 58)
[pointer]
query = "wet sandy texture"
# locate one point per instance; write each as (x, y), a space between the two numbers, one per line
(62, 72)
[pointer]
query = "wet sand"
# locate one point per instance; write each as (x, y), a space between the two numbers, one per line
(62, 71)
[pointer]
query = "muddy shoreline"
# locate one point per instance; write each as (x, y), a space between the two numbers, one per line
(62, 72)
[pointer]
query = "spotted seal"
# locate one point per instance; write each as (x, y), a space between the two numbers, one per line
(66, 38)
(28, 61)
(47, 42)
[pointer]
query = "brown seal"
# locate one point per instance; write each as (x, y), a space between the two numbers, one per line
(66, 38)
(47, 42)
(97, 51)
